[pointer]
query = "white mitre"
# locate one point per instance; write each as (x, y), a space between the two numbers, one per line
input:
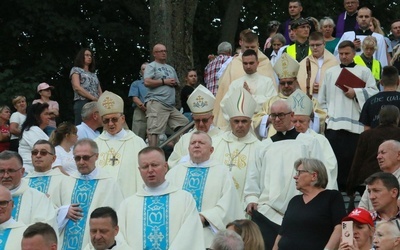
(201, 101)
(286, 67)
(300, 103)
(239, 103)
(110, 103)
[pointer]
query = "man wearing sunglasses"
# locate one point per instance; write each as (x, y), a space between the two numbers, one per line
(201, 104)
(118, 148)
(10, 229)
(286, 69)
(51, 182)
(91, 188)
(30, 205)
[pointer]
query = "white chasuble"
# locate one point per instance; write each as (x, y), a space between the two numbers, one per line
(90, 194)
(237, 154)
(11, 235)
(168, 220)
(214, 192)
(119, 158)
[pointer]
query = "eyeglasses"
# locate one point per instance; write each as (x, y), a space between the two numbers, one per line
(279, 115)
(161, 51)
(317, 45)
(41, 152)
(83, 157)
(4, 204)
(289, 83)
(9, 171)
(299, 172)
(204, 120)
(113, 120)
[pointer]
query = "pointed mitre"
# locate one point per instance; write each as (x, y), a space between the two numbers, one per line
(201, 100)
(239, 103)
(110, 103)
(300, 103)
(286, 67)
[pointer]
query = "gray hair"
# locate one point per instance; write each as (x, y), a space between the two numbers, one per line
(87, 141)
(227, 240)
(314, 166)
(327, 20)
(279, 37)
(394, 227)
(224, 47)
(389, 115)
(87, 110)
(284, 103)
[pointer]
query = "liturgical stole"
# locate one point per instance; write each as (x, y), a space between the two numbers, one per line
(40, 183)
(156, 222)
(194, 183)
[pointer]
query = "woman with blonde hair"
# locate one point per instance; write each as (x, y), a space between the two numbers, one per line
(64, 138)
(16, 121)
(387, 235)
(363, 230)
(249, 232)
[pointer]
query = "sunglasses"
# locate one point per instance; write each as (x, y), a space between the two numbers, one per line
(113, 120)
(41, 152)
(83, 157)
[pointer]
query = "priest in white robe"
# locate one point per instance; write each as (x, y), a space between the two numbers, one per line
(236, 147)
(234, 71)
(10, 230)
(269, 185)
(302, 108)
(118, 148)
(259, 86)
(211, 185)
(30, 205)
(201, 104)
(43, 178)
(174, 221)
(92, 188)
(344, 108)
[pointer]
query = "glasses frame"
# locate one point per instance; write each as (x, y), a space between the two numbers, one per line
(113, 120)
(42, 152)
(9, 171)
(83, 157)
(279, 115)
(6, 203)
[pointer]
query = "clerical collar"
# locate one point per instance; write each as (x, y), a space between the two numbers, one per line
(117, 136)
(113, 245)
(366, 32)
(91, 175)
(201, 164)
(351, 65)
(7, 223)
(157, 190)
(348, 14)
(286, 135)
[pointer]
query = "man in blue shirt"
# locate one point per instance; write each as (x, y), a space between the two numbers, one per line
(138, 92)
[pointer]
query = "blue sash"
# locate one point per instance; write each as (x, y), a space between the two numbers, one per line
(156, 222)
(195, 182)
(3, 237)
(17, 205)
(40, 183)
(75, 230)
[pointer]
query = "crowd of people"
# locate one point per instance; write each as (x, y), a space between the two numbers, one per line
(278, 139)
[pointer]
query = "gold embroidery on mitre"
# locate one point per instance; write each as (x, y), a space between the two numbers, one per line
(108, 103)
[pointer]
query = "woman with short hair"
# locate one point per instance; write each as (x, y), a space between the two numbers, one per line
(313, 219)
(363, 230)
(387, 235)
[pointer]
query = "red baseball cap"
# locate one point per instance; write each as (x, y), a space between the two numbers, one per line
(360, 215)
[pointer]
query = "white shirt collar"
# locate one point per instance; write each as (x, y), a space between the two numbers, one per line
(7, 223)
(201, 164)
(91, 175)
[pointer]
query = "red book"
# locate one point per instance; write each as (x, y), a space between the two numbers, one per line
(349, 79)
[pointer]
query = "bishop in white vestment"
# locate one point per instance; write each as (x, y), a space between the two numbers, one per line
(118, 148)
(201, 103)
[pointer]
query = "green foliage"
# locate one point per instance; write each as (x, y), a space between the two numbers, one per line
(39, 39)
